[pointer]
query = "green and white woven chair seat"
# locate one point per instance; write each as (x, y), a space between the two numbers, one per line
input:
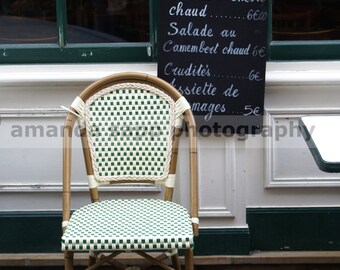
(129, 225)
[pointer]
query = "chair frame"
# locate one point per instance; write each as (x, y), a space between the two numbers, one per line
(168, 194)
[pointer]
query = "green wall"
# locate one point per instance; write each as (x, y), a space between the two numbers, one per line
(270, 229)
(294, 229)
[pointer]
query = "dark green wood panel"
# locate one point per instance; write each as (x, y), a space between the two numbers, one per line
(294, 229)
(139, 52)
(313, 50)
(30, 232)
(40, 232)
(270, 229)
(231, 241)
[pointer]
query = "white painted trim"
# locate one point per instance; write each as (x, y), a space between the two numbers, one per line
(229, 187)
(25, 188)
(271, 181)
(32, 186)
(306, 73)
(278, 73)
(30, 75)
(33, 112)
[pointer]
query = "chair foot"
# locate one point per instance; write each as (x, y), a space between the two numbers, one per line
(189, 259)
(68, 256)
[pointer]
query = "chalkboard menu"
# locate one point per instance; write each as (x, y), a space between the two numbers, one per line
(214, 52)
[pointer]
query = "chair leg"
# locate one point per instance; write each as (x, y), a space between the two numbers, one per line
(175, 262)
(189, 259)
(68, 257)
(92, 259)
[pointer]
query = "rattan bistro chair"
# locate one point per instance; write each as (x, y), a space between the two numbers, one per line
(130, 126)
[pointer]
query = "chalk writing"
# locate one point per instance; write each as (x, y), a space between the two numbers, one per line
(191, 70)
(250, 110)
(202, 48)
(228, 33)
(232, 49)
(231, 91)
(206, 89)
(257, 15)
(208, 108)
(179, 10)
(190, 30)
(214, 53)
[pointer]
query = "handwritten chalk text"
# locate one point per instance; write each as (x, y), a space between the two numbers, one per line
(202, 48)
(189, 71)
(190, 30)
(179, 10)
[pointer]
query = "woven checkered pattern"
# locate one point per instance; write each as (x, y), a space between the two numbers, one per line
(129, 225)
(130, 129)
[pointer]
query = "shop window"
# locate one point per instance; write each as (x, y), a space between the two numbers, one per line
(27, 22)
(305, 29)
(93, 31)
(100, 21)
(68, 30)
(306, 20)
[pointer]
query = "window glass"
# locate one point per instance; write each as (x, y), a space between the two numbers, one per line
(306, 20)
(28, 21)
(107, 21)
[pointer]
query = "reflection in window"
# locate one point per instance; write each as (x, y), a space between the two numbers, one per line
(306, 20)
(28, 21)
(98, 21)
(89, 21)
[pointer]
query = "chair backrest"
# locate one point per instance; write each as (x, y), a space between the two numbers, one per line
(130, 129)
(128, 123)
